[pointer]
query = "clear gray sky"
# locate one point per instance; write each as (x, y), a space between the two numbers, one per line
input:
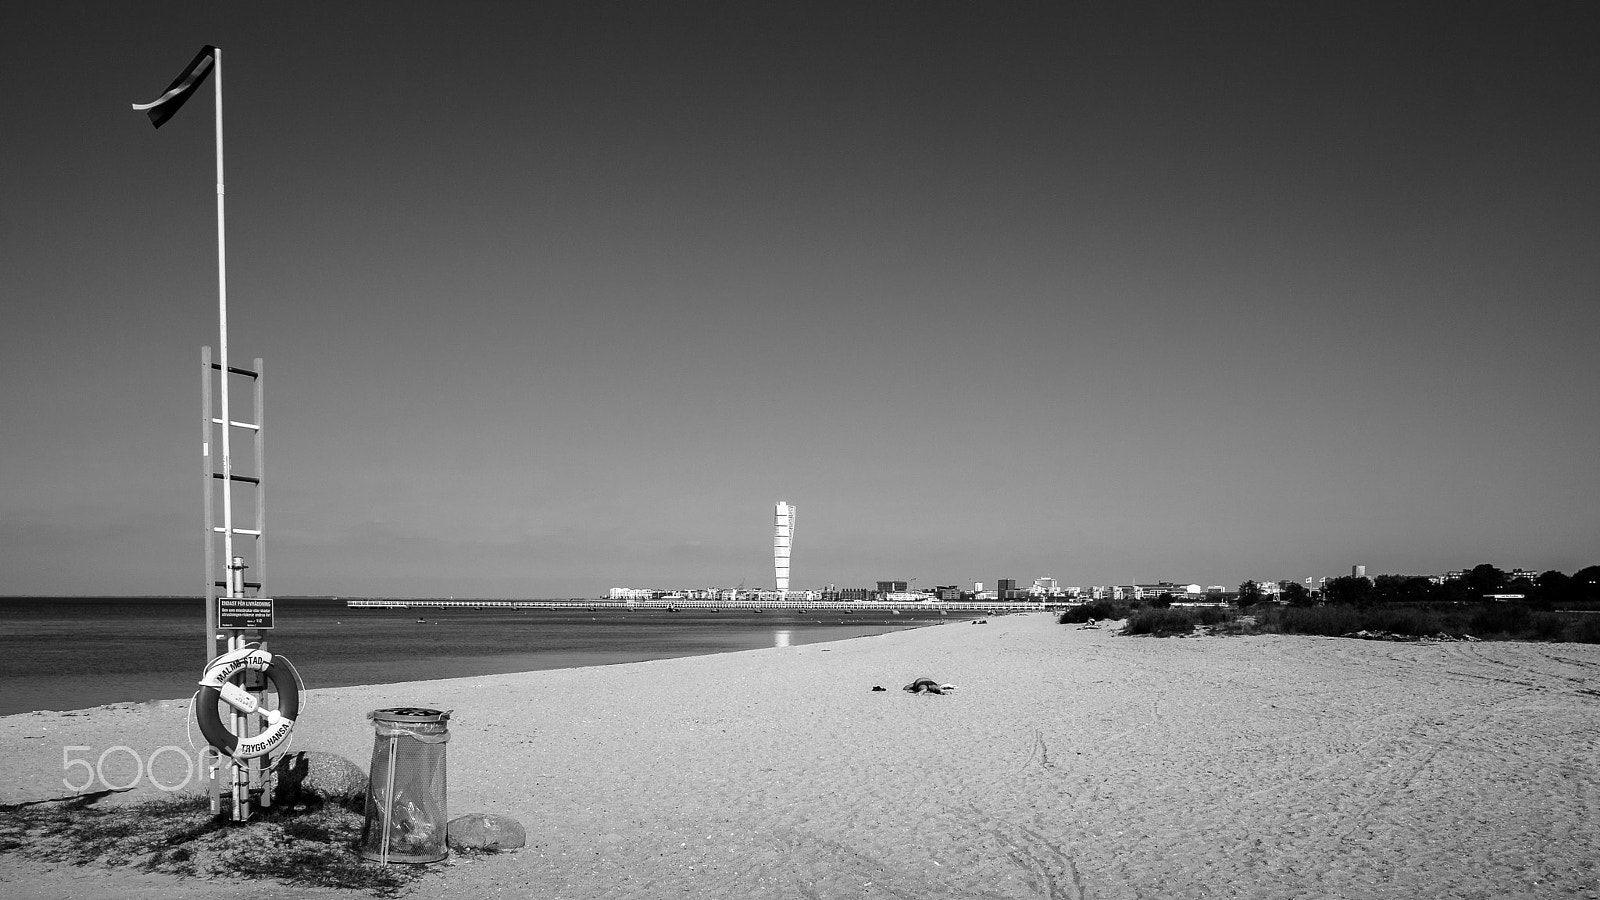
(555, 297)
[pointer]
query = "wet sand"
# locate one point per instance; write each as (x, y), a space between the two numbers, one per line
(1069, 763)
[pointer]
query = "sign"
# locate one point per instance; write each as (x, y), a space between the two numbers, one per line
(244, 612)
(1505, 596)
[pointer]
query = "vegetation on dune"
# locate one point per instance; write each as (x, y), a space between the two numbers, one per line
(1476, 605)
(1095, 610)
(1167, 622)
(1485, 621)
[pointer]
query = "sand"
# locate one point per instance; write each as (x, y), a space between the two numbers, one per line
(1069, 763)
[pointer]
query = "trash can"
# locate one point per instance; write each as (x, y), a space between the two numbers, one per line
(406, 812)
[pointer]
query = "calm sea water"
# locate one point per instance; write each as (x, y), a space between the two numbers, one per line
(77, 652)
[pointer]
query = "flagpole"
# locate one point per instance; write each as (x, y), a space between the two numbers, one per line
(241, 782)
(222, 318)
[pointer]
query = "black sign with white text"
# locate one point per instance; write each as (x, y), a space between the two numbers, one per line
(244, 612)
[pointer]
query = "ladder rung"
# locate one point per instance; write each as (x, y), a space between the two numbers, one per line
(250, 425)
(247, 479)
(237, 371)
(248, 584)
(249, 531)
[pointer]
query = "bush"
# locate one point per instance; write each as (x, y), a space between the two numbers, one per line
(1489, 621)
(1550, 627)
(1586, 631)
(1329, 621)
(1158, 622)
(1500, 618)
(1167, 622)
(1097, 609)
(1407, 621)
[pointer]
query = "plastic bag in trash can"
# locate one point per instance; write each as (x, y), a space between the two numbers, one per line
(406, 799)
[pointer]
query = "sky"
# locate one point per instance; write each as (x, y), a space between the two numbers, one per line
(558, 297)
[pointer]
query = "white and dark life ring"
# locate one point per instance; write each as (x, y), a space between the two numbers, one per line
(216, 685)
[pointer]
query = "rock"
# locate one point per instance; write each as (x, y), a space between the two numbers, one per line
(485, 831)
(314, 778)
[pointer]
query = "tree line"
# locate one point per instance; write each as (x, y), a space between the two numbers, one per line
(1549, 590)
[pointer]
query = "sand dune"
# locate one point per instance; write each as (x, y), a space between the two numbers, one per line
(1069, 763)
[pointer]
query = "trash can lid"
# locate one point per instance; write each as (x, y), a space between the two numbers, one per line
(409, 714)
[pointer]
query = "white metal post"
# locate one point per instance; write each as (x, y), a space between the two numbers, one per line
(241, 784)
(222, 319)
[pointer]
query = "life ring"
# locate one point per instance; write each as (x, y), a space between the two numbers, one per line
(216, 685)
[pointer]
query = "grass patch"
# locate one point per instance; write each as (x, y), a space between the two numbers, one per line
(1484, 621)
(1587, 630)
(1099, 610)
(180, 836)
(1395, 621)
(1169, 622)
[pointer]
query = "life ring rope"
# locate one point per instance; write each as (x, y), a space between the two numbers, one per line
(216, 686)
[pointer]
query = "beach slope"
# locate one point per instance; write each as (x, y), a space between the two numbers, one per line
(1068, 763)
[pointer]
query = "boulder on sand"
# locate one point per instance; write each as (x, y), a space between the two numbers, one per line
(315, 778)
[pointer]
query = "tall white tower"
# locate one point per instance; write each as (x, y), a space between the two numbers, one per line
(782, 542)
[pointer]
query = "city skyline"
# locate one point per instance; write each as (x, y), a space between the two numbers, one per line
(556, 298)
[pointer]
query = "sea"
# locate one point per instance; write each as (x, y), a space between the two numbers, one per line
(63, 653)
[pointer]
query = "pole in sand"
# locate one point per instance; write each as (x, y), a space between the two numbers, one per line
(209, 62)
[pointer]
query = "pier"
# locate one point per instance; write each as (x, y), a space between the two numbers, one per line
(993, 608)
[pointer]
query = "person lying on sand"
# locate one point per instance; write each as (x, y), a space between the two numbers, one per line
(927, 686)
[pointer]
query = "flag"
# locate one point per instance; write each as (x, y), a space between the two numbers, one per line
(167, 105)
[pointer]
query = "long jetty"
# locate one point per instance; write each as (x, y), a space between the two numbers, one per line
(935, 606)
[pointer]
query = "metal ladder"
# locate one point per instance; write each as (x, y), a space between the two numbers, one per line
(229, 580)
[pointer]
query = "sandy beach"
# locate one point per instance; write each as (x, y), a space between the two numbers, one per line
(1069, 763)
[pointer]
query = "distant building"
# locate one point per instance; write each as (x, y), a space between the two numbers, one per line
(1358, 571)
(782, 542)
(1152, 591)
(1006, 589)
(892, 587)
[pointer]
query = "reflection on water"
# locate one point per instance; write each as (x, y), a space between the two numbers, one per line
(781, 637)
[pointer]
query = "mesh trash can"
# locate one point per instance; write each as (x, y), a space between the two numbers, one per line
(406, 813)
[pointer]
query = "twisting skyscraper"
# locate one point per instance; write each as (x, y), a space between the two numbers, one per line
(782, 543)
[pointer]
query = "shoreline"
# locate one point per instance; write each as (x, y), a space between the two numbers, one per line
(45, 666)
(171, 719)
(1069, 762)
